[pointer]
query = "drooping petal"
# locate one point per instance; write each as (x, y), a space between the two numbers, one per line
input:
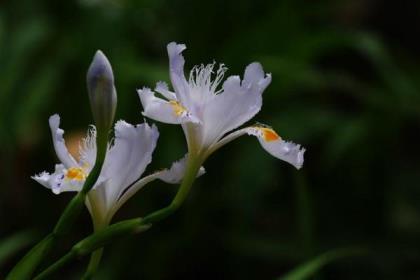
(176, 71)
(127, 159)
(161, 110)
(172, 175)
(237, 104)
(59, 144)
(175, 174)
(270, 141)
(62, 180)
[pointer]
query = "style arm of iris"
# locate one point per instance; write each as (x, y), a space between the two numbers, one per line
(132, 226)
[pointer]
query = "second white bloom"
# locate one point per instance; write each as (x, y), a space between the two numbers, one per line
(208, 113)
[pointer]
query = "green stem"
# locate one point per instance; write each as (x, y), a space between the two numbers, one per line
(58, 264)
(104, 236)
(95, 242)
(99, 223)
(26, 266)
(95, 259)
(193, 166)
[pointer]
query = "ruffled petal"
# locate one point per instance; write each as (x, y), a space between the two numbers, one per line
(175, 174)
(176, 71)
(255, 77)
(237, 104)
(127, 159)
(172, 175)
(59, 144)
(164, 111)
(270, 141)
(162, 88)
(62, 180)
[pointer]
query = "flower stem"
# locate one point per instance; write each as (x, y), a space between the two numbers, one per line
(193, 166)
(26, 266)
(95, 242)
(58, 264)
(99, 239)
(95, 259)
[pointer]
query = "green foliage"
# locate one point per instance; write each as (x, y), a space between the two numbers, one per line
(311, 267)
(13, 244)
(345, 86)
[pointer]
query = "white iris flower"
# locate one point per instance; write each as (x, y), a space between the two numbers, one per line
(127, 158)
(208, 113)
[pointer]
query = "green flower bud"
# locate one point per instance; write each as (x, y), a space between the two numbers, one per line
(102, 93)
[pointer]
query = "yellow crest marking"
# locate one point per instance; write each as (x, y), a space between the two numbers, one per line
(177, 107)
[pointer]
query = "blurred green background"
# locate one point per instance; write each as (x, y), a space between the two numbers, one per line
(345, 85)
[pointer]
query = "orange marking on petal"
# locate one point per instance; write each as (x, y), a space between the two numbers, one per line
(75, 173)
(269, 134)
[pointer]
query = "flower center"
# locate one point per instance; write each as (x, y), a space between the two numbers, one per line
(177, 107)
(76, 173)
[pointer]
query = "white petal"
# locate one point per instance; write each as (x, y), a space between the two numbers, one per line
(175, 174)
(58, 182)
(254, 77)
(127, 159)
(162, 88)
(164, 111)
(270, 141)
(59, 144)
(237, 104)
(43, 178)
(176, 70)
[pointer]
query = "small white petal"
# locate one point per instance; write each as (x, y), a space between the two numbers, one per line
(164, 111)
(255, 76)
(176, 70)
(163, 89)
(270, 141)
(274, 145)
(59, 144)
(175, 174)
(43, 178)
(58, 182)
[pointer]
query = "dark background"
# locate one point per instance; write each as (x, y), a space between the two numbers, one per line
(345, 85)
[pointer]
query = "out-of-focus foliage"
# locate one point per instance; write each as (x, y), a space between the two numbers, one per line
(345, 86)
(12, 244)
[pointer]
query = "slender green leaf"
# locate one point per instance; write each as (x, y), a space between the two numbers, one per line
(310, 268)
(12, 244)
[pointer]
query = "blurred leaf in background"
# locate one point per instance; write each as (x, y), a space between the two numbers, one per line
(345, 85)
